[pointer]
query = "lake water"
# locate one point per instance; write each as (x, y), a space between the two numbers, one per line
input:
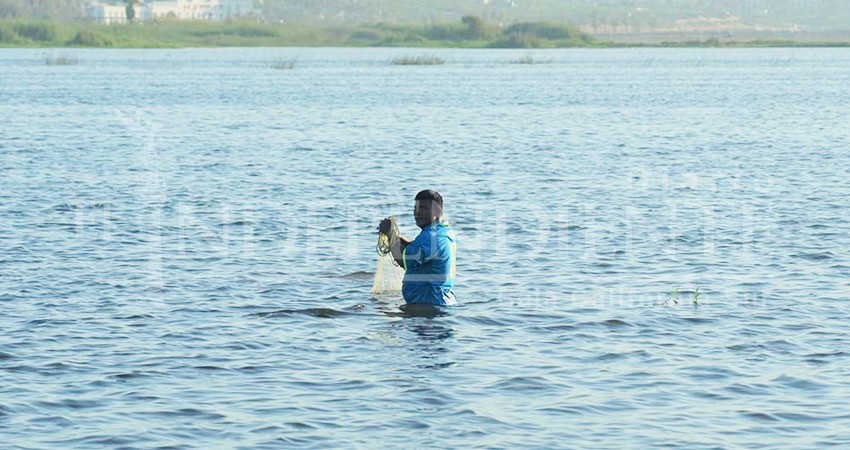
(653, 249)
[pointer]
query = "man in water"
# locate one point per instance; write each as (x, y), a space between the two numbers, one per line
(428, 260)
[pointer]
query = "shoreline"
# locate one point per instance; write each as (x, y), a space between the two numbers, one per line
(613, 45)
(470, 33)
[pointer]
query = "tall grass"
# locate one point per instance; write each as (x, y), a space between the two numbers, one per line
(8, 34)
(421, 60)
(542, 35)
(61, 60)
(88, 38)
(35, 30)
(528, 58)
(470, 32)
(283, 64)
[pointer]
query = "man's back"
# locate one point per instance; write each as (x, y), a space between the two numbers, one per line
(429, 264)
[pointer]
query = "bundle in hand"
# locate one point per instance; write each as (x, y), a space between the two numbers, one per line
(388, 275)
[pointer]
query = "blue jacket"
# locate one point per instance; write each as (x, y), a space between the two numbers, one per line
(429, 266)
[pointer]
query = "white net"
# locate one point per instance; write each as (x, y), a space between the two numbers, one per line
(388, 275)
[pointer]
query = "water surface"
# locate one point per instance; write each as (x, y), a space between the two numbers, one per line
(652, 249)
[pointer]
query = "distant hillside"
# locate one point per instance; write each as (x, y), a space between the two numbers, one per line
(810, 14)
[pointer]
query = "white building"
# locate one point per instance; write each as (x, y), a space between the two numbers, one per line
(104, 13)
(214, 10)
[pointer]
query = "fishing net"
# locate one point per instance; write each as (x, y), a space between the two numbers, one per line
(388, 275)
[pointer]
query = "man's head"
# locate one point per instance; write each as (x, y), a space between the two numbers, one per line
(428, 208)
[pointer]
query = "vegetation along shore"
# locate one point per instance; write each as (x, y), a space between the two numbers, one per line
(469, 32)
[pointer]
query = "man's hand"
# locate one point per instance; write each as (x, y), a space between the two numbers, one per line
(385, 226)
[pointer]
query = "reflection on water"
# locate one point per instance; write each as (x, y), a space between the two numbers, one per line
(424, 311)
(433, 343)
(425, 330)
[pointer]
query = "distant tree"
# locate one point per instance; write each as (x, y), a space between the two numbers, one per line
(11, 8)
(130, 10)
(63, 10)
(474, 26)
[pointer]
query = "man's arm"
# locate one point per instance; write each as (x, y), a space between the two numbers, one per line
(398, 249)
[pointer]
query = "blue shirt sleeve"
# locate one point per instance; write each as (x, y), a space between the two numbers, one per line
(417, 252)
